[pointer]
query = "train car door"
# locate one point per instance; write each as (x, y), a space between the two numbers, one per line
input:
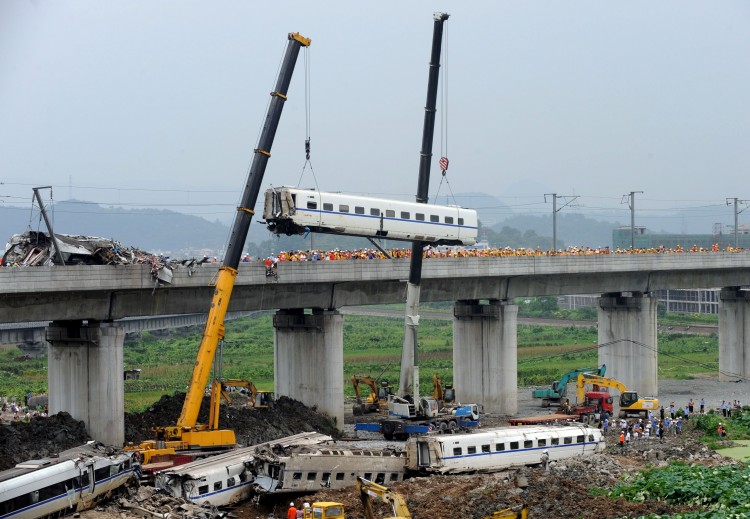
(423, 454)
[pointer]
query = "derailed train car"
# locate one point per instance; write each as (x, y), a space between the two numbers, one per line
(497, 449)
(301, 463)
(75, 480)
(290, 210)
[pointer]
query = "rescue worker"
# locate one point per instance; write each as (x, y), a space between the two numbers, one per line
(292, 512)
(545, 460)
(622, 441)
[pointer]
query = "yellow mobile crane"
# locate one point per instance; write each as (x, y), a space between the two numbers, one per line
(187, 434)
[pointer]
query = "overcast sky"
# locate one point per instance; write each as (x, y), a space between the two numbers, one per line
(160, 104)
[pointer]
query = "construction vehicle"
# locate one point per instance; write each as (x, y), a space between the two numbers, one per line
(559, 389)
(324, 510)
(631, 404)
(368, 490)
(444, 395)
(187, 435)
(256, 398)
(376, 401)
(510, 513)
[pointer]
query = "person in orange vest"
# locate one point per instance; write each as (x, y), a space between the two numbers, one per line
(292, 512)
(622, 441)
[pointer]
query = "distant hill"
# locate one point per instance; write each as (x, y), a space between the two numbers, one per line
(572, 228)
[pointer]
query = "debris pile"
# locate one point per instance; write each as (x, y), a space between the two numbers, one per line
(39, 438)
(252, 426)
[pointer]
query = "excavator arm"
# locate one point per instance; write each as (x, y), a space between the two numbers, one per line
(368, 490)
(585, 378)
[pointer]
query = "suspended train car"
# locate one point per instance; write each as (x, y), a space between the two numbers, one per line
(492, 450)
(290, 210)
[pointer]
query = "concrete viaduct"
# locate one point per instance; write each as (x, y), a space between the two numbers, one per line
(86, 304)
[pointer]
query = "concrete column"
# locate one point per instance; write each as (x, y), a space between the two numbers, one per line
(85, 376)
(309, 359)
(485, 355)
(734, 334)
(627, 340)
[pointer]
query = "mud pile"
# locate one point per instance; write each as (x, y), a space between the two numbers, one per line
(40, 437)
(251, 426)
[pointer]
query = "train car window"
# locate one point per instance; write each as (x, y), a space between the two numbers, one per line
(203, 489)
(471, 450)
(297, 476)
(102, 473)
(359, 210)
(312, 205)
(499, 446)
(568, 440)
(380, 478)
(448, 219)
(368, 475)
(325, 477)
(217, 485)
(127, 463)
(311, 476)
(513, 446)
(327, 207)
(390, 213)
(405, 215)
(343, 208)
(434, 218)
(541, 442)
(419, 217)
(485, 448)
(339, 476)
(457, 451)
(394, 476)
(374, 212)
(591, 437)
(231, 482)
(580, 439)
(85, 479)
(527, 444)
(460, 221)
(554, 441)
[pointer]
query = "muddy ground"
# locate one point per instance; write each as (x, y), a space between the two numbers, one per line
(562, 491)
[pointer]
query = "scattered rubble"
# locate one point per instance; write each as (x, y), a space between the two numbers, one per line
(33, 248)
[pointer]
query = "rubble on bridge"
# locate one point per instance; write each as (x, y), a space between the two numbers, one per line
(33, 248)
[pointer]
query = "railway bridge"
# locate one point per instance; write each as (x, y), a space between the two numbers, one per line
(87, 304)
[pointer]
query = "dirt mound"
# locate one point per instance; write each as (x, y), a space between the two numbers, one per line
(250, 425)
(40, 437)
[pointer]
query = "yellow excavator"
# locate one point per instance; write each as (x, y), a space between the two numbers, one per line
(443, 394)
(187, 434)
(376, 401)
(631, 404)
(368, 490)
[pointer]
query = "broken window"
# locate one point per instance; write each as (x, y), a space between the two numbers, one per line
(380, 478)
(217, 485)
(541, 442)
(311, 476)
(554, 441)
(394, 476)
(297, 476)
(457, 451)
(580, 439)
(203, 489)
(231, 482)
(339, 476)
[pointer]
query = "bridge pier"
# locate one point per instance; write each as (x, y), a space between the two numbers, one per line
(85, 376)
(627, 340)
(734, 334)
(485, 355)
(309, 359)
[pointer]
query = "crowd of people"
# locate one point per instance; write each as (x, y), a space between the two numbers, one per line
(490, 252)
(12, 410)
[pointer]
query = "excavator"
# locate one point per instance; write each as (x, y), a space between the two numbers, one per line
(368, 489)
(630, 403)
(257, 399)
(187, 435)
(376, 401)
(444, 396)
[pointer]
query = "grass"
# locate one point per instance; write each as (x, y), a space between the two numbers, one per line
(372, 346)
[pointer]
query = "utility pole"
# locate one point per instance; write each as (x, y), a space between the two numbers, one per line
(631, 205)
(52, 236)
(735, 201)
(555, 210)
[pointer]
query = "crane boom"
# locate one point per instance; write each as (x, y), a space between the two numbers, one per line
(214, 330)
(409, 357)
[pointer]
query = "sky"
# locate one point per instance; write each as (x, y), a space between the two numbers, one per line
(159, 104)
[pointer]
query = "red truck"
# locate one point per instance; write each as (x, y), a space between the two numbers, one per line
(596, 401)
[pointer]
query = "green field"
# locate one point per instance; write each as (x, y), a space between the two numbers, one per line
(372, 346)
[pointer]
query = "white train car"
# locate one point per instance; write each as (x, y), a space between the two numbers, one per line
(226, 478)
(497, 449)
(74, 481)
(290, 210)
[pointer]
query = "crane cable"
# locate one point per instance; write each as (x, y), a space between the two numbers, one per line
(444, 162)
(307, 122)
